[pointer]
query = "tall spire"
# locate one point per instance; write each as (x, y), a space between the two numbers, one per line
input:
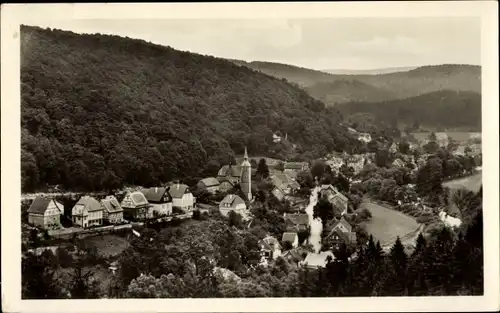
(246, 154)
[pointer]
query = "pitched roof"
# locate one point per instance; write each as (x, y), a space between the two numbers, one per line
(138, 198)
(210, 181)
(111, 204)
(230, 170)
(289, 237)
(295, 165)
(298, 219)
(90, 203)
(232, 200)
(178, 190)
(269, 243)
(154, 194)
(284, 180)
(296, 253)
(40, 204)
(332, 192)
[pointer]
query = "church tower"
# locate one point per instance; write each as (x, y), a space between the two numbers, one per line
(246, 177)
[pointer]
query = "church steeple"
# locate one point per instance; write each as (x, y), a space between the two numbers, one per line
(246, 176)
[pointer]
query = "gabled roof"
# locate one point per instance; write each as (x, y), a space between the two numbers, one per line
(295, 165)
(332, 192)
(343, 222)
(232, 200)
(111, 204)
(296, 253)
(230, 170)
(210, 181)
(289, 237)
(138, 198)
(40, 204)
(283, 181)
(90, 203)
(178, 190)
(269, 243)
(297, 219)
(155, 194)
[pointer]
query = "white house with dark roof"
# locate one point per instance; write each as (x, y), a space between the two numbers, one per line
(340, 232)
(182, 197)
(233, 203)
(87, 212)
(112, 210)
(45, 213)
(270, 248)
(136, 206)
(159, 199)
(209, 184)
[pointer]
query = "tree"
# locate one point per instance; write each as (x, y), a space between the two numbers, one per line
(38, 279)
(65, 259)
(382, 158)
(235, 220)
(432, 136)
(318, 169)
(399, 260)
(404, 147)
(262, 169)
(431, 147)
(323, 210)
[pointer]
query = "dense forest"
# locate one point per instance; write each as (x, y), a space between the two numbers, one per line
(445, 108)
(100, 111)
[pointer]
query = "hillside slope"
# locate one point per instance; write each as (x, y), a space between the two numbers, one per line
(100, 111)
(447, 109)
(396, 85)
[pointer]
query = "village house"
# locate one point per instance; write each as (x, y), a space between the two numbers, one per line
(364, 137)
(230, 175)
(296, 255)
(87, 212)
(270, 248)
(335, 162)
(182, 197)
(337, 199)
(442, 139)
(45, 213)
(340, 232)
(315, 260)
(291, 238)
(296, 222)
(284, 185)
(209, 184)
(398, 163)
(293, 168)
(233, 203)
(135, 206)
(112, 211)
(160, 200)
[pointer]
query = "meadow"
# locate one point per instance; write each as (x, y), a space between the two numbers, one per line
(472, 183)
(386, 224)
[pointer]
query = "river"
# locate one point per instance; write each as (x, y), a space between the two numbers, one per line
(316, 225)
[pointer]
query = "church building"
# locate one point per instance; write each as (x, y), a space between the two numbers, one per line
(231, 175)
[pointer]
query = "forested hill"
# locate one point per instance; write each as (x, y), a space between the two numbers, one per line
(446, 109)
(100, 111)
(379, 87)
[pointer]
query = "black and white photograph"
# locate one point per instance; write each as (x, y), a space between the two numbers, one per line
(266, 157)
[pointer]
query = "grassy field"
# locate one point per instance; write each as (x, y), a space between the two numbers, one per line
(472, 183)
(108, 245)
(386, 224)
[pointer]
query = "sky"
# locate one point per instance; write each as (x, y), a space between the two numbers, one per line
(330, 43)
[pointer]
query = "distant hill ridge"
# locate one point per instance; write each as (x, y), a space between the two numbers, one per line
(376, 87)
